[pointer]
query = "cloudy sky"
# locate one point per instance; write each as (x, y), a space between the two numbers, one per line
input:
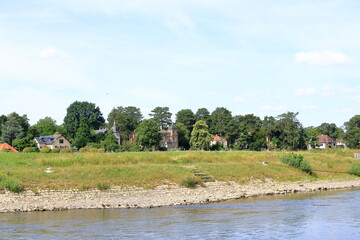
(250, 56)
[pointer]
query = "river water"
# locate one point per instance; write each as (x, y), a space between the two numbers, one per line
(327, 215)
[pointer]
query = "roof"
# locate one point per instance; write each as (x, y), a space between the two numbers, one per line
(219, 139)
(48, 140)
(173, 127)
(340, 140)
(104, 130)
(7, 146)
(325, 139)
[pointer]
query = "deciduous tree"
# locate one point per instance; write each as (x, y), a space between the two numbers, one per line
(162, 116)
(78, 110)
(148, 135)
(200, 136)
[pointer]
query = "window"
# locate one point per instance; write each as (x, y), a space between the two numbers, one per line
(61, 141)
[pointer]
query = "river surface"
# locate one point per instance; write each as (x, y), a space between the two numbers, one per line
(327, 215)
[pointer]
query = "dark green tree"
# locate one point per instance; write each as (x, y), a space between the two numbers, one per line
(331, 130)
(46, 126)
(202, 114)
(22, 143)
(148, 135)
(183, 136)
(3, 119)
(353, 132)
(78, 110)
(289, 132)
(110, 142)
(200, 136)
(126, 119)
(186, 117)
(162, 116)
(83, 134)
(12, 129)
(219, 122)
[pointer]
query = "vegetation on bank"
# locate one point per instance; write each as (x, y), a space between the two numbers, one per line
(149, 169)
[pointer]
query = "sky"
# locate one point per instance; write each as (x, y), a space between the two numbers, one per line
(249, 56)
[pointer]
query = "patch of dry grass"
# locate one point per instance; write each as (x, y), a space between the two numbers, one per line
(150, 169)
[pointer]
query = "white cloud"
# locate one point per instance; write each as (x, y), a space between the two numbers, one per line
(322, 58)
(342, 110)
(305, 91)
(52, 53)
(308, 107)
(274, 108)
(240, 100)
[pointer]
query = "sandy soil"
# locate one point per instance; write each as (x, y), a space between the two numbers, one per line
(167, 195)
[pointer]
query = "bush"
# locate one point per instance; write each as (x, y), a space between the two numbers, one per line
(101, 150)
(28, 150)
(55, 150)
(12, 185)
(355, 169)
(45, 150)
(191, 182)
(65, 150)
(297, 161)
(102, 186)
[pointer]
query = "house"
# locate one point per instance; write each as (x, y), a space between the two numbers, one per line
(52, 141)
(169, 138)
(325, 142)
(340, 143)
(115, 131)
(7, 148)
(219, 140)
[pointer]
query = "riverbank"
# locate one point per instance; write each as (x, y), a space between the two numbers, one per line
(165, 195)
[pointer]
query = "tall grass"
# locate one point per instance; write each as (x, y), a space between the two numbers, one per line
(150, 169)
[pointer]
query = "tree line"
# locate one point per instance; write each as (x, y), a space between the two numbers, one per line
(195, 130)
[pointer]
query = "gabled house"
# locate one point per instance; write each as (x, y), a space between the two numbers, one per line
(169, 138)
(340, 143)
(326, 141)
(217, 139)
(115, 131)
(52, 141)
(6, 147)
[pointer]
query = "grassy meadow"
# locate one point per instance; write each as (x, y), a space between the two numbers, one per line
(150, 169)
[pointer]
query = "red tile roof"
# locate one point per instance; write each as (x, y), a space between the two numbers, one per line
(325, 139)
(219, 139)
(7, 146)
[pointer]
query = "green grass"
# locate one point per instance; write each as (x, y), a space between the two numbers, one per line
(150, 169)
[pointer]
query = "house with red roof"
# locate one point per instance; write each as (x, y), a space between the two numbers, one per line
(220, 140)
(6, 147)
(326, 141)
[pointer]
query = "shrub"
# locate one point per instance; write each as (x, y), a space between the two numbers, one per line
(297, 161)
(45, 150)
(84, 149)
(12, 185)
(102, 186)
(55, 150)
(28, 150)
(65, 150)
(101, 150)
(191, 182)
(355, 169)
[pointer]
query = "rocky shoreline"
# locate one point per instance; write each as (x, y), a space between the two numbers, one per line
(166, 195)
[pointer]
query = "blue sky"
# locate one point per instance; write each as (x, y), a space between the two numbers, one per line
(250, 56)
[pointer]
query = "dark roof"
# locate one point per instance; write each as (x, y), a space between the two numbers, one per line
(104, 130)
(46, 139)
(173, 127)
(325, 139)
